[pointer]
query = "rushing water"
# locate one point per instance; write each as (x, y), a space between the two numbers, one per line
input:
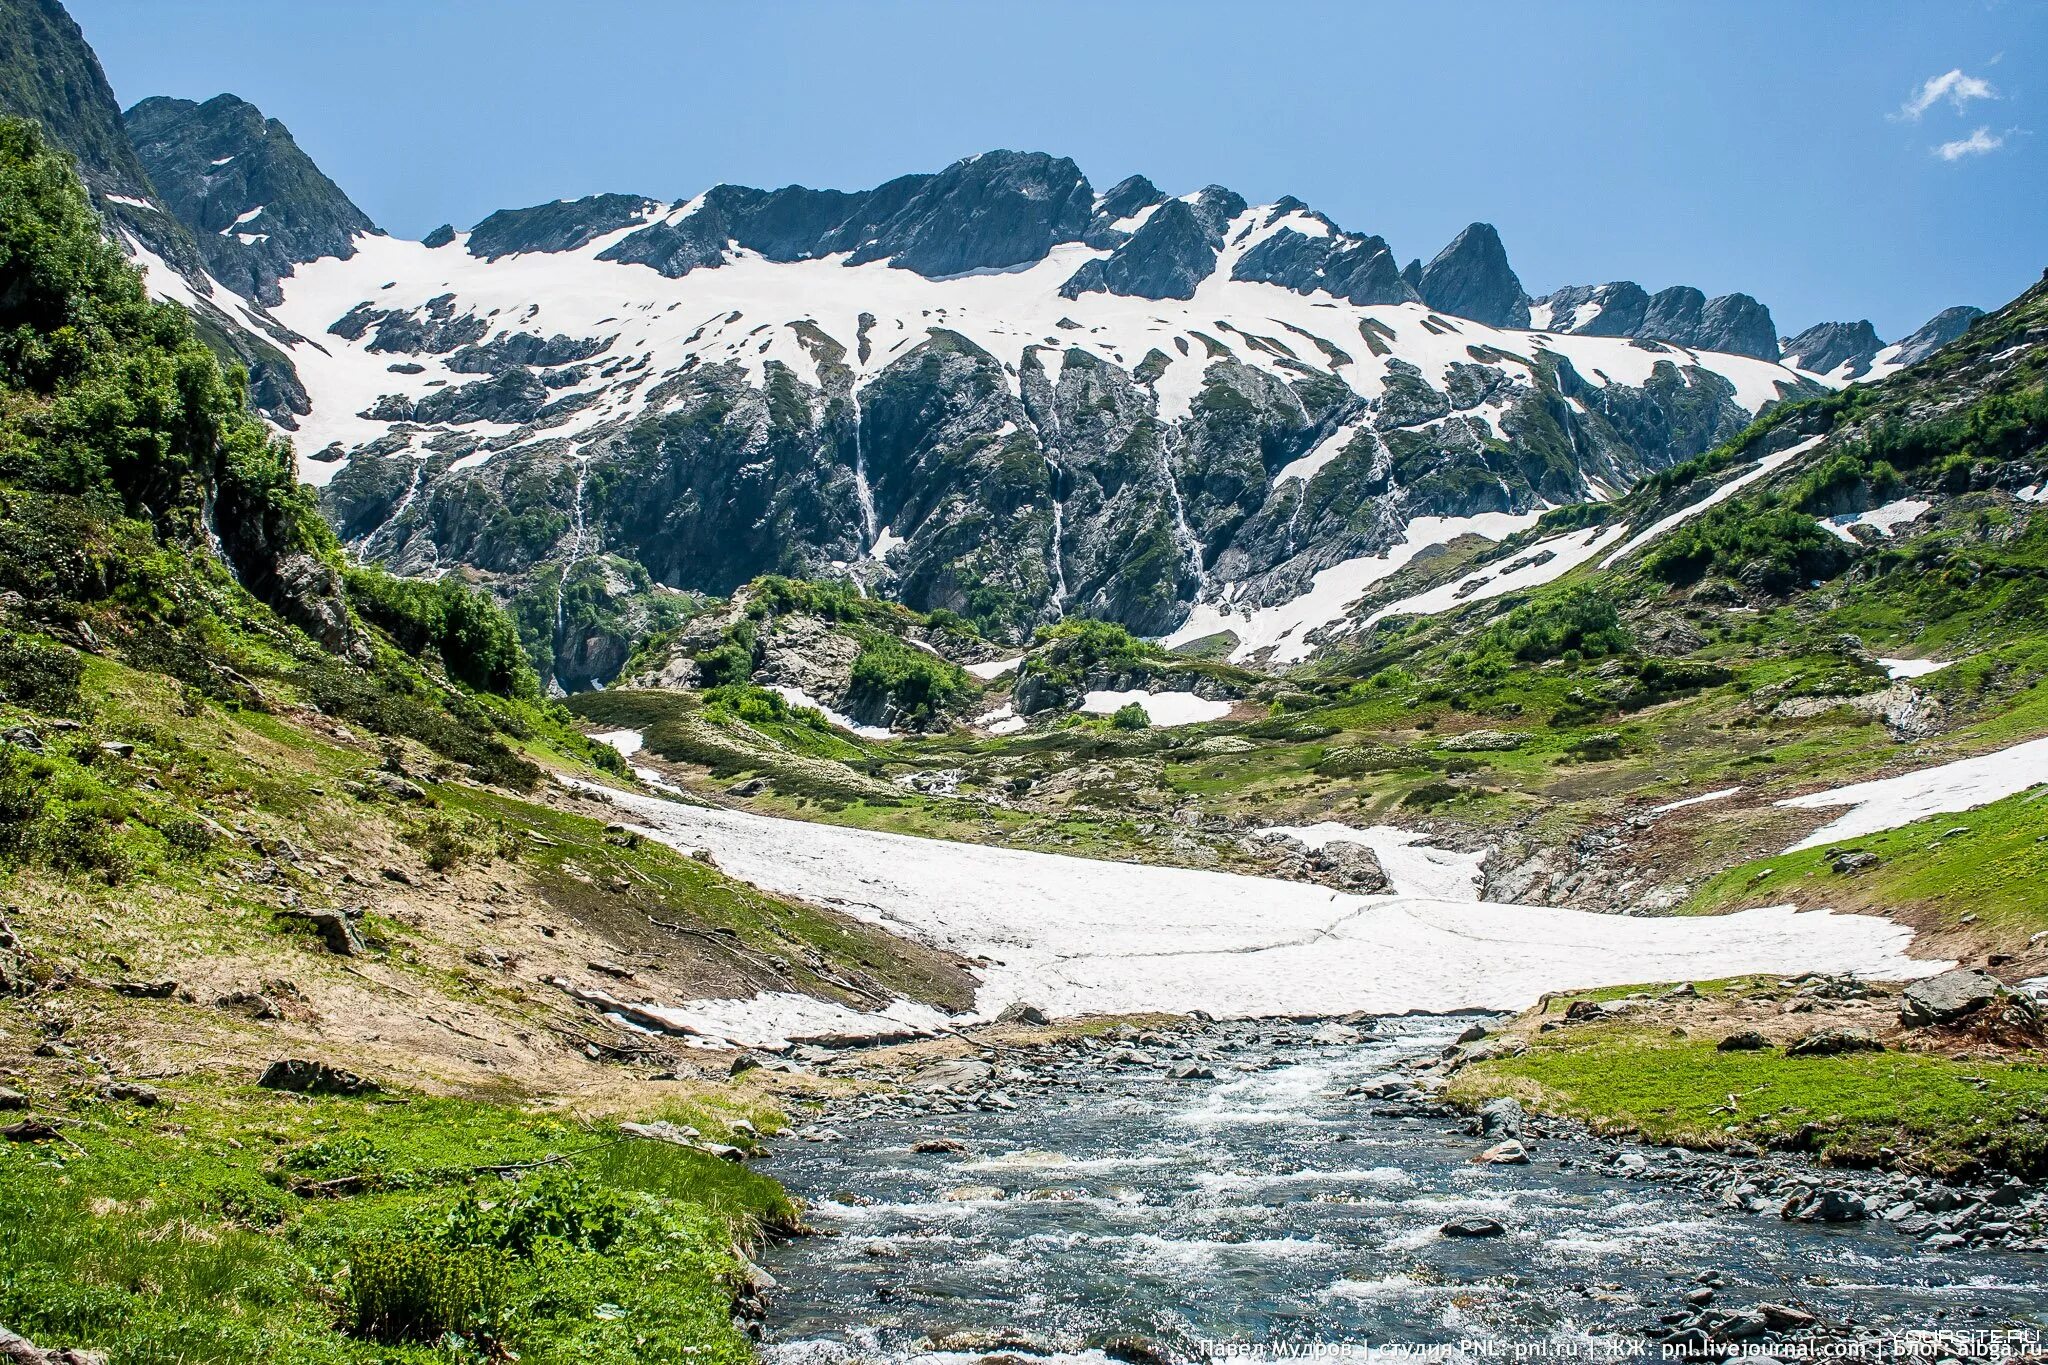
(1267, 1208)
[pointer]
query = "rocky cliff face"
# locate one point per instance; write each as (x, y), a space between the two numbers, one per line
(1735, 323)
(1830, 346)
(1471, 278)
(256, 203)
(1851, 350)
(988, 389)
(1004, 446)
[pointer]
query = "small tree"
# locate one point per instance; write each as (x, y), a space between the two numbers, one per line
(1130, 716)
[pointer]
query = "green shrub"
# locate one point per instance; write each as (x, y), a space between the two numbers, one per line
(411, 1287)
(1580, 619)
(474, 637)
(40, 676)
(914, 684)
(1130, 716)
(550, 1206)
(1769, 547)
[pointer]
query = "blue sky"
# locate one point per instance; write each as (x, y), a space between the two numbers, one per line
(1792, 151)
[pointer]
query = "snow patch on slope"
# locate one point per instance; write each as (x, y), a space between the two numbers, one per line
(1884, 520)
(1163, 709)
(1890, 802)
(1077, 935)
(1284, 629)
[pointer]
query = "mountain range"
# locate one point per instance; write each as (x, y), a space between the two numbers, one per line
(992, 389)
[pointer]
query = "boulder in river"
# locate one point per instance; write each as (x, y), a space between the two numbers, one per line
(1825, 1206)
(1509, 1153)
(1502, 1116)
(1472, 1225)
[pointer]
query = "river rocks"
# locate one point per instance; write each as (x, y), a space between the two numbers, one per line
(1190, 1071)
(1834, 1042)
(1825, 1206)
(1473, 1225)
(1502, 1116)
(1747, 1040)
(957, 1074)
(973, 1341)
(964, 1194)
(1509, 1153)
(935, 1146)
(1946, 998)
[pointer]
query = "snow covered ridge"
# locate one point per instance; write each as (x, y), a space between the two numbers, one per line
(1077, 935)
(747, 312)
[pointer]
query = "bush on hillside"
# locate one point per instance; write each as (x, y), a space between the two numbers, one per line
(1579, 620)
(475, 639)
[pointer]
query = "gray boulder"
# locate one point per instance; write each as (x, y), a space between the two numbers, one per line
(1501, 1117)
(1949, 997)
(1834, 1042)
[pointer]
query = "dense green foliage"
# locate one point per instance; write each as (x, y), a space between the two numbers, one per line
(914, 685)
(1078, 648)
(270, 1230)
(470, 633)
(1766, 546)
(126, 452)
(113, 397)
(1578, 622)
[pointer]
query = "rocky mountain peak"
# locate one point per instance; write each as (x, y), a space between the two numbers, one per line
(255, 203)
(1828, 347)
(1173, 251)
(1682, 315)
(1937, 332)
(1471, 278)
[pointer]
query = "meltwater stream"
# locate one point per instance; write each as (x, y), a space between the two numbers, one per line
(1266, 1212)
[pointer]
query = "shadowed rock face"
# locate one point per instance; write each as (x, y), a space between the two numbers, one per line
(1174, 250)
(1735, 323)
(1828, 346)
(1472, 279)
(1353, 267)
(989, 212)
(1937, 332)
(561, 226)
(256, 203)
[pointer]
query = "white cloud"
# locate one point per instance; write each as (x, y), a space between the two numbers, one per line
(1952, 85)
(1979, 143)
